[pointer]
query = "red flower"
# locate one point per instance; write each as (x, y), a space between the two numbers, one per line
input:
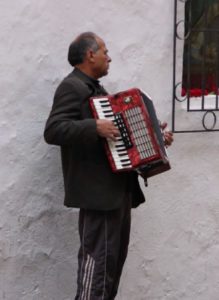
(183, 92)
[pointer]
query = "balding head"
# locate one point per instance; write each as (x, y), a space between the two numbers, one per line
(79, 47)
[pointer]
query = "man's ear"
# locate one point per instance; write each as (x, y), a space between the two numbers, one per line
(90, 55)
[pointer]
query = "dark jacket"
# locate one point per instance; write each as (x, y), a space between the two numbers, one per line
(88, 180)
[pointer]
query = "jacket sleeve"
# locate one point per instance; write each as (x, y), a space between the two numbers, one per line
(64, 125)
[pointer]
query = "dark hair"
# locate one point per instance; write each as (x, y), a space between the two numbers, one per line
(78, 48)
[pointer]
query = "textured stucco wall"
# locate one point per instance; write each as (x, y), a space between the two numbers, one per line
(175, 236)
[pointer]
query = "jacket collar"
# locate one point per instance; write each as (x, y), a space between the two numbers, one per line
(87, 79)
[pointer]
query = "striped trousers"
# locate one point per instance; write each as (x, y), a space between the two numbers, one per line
(104, 238)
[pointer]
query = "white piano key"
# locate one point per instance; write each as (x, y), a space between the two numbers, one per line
(100, 100)
(117, 160)
(103, 106)
(119, 140)
(119, 144)
(120, 157)
(120, 166)
(102, 116)
(120, 147)
(104, 111)
(121, 153)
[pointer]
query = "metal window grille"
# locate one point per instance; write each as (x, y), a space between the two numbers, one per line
(196, 66)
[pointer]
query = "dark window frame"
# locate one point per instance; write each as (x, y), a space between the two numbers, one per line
(184, 90)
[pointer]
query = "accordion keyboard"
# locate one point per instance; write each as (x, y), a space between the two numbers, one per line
(118, 148)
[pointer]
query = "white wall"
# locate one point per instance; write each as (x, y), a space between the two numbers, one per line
(175, 235)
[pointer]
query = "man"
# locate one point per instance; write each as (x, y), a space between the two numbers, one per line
(105, 198)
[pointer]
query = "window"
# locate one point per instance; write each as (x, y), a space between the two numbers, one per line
(196, 37)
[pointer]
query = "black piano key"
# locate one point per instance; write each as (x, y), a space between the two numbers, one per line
(104, 101)
(125, 154)
(105, 105)
(108, 117)
(125, 160)
(107, 111)
(126, 165)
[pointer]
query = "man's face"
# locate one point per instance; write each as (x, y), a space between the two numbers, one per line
(101, 60)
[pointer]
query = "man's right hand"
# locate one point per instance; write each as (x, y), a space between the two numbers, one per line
(107, 129)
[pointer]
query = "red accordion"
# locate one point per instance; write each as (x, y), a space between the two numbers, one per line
(140, 145)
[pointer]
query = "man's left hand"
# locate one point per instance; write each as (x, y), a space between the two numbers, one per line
(168, 135)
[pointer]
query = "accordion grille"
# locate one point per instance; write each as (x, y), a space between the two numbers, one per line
(140, 132)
